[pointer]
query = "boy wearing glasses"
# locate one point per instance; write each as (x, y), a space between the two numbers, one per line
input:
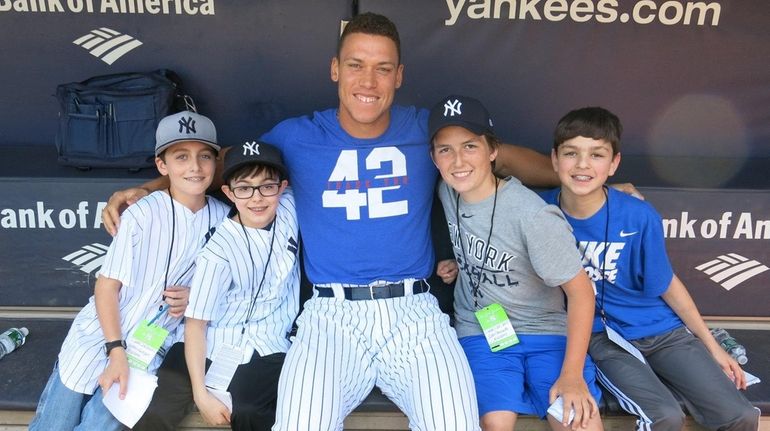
(243, 300)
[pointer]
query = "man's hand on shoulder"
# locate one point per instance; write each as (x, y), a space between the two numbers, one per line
(119, 201)
(628, 189)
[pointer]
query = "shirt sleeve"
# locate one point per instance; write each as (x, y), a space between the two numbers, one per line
(551, 246)
(118, 262)
(211, 281)
(280, 134)
(656, 272)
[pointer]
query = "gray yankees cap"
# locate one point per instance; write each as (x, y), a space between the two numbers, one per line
(185, 126)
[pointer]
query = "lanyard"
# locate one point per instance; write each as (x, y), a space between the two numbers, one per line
(163, 306)
(475, 289)
(253, 302)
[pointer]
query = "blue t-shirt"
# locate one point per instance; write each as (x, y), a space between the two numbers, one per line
(636, 267)
(363, 205)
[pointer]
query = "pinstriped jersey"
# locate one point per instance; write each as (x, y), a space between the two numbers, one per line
(138, 258)
(226, 287)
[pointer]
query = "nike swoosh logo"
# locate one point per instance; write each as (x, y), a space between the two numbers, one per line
(625, 234)
(463, 215)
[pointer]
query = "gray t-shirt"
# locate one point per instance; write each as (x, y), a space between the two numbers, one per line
(531, 253)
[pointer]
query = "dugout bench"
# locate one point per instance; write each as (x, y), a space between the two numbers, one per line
(52, 241)
(23, 375)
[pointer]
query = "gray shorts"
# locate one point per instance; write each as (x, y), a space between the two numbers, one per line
(678, 367)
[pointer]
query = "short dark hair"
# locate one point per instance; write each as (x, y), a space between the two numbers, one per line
(253, 170)
(592, 122)
(372, 24)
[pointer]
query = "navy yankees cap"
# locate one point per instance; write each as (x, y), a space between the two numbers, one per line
(460, 111)
(256, 152)
(185, 126)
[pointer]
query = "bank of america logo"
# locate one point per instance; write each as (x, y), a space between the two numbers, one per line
(730, 270)
(106, 44)
(89, 258)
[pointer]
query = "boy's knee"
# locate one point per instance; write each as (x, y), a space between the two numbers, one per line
(153, 420)
(252, 418)
(670, 418)
(747, 420)
(498, 421)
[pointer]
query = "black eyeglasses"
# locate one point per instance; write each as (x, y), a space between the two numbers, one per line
(246, 192)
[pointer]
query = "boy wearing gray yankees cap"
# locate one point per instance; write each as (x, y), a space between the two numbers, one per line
(142, 289)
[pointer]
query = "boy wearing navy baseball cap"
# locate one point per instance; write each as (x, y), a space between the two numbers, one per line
(142, 289)
(517, 260)
(243, 299)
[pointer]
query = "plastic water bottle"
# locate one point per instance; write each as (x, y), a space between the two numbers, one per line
(731, 346)
(11, 339)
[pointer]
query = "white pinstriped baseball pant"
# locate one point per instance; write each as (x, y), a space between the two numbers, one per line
(403, 345)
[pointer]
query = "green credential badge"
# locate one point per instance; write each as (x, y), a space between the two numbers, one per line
(497, 328)
(144, 344)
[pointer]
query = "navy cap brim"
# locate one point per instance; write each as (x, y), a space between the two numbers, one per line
(475, 128)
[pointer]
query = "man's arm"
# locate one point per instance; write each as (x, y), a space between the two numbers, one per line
(678, 298)
(529, 166)
(535, 169)
(121, 199)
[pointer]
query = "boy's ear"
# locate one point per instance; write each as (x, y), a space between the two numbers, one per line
(431, 156)
(554, 161)
(161, 165)
(229, 193)
(284, 184)
(615, 163)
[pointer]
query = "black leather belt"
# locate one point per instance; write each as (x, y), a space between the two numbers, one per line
(385, 291)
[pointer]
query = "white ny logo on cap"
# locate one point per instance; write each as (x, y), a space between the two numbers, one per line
(453, 107)
(251, 149)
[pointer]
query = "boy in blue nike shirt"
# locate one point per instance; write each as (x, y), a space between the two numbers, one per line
(647, 325)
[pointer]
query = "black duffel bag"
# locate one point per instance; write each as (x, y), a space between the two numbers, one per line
(109, 121)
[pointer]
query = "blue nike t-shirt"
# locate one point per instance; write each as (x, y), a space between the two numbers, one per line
(363, 205)
(634, 262)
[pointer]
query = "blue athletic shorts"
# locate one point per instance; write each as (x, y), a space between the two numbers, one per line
(518, 378)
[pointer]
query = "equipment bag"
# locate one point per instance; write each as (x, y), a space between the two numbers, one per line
(109, 121)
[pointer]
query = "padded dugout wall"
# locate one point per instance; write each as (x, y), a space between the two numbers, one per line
(689, 79)
(695, 100)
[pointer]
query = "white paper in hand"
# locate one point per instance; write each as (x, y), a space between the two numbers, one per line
(557, 410)
(141, 386)
(751, 379)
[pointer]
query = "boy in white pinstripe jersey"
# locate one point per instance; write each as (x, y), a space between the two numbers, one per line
(244, 298)
(145, 273)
